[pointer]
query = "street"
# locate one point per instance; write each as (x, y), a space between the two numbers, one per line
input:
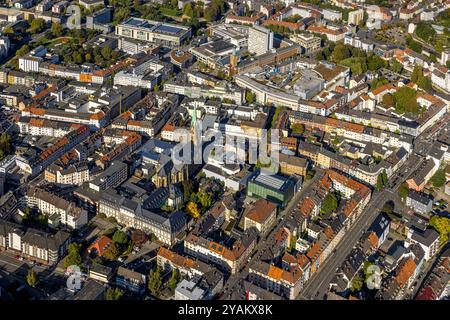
(318, 284)
(230, 285)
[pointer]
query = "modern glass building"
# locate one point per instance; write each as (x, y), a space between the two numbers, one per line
(273, 188)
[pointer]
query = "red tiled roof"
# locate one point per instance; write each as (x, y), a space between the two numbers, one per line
(100, 246)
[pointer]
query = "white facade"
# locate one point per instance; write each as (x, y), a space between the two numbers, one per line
(260, 40)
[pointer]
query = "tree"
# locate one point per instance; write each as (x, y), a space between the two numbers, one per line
(249, 97)
(37, 25)
(77, 58)
(23, 50)
(56, 29)
(73, 257)
(406, 100)
(438, 179)
(192, 210)
(174, 279)
(113, 294)
(378, 82)
(403, 191)
(32, 278)
(375, 63)
(425, 83)
(5, 145)
(414, 45)
(8, 31)
(330, 203)
(120, 237)
(416, 74)
(388, 100)
(382, 180)
(441, 225)
(112, 253)
(106, 52)
(211, 13)
(425, 31)
(388, 207)
(174, 4)
(188, 10)
(298, 128)
(340, 52)
(276, 114)
(188, 189)
(357, 283)
(121, 14)
(205, 199)
(396, 66)
(155, 281)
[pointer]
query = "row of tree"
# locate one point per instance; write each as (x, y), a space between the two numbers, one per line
(5, 145)
(155, 282)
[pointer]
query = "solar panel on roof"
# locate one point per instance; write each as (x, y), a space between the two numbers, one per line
(168, 29)
(270, 181)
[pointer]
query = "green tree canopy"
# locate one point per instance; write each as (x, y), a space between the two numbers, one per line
(382, 180)
(23, 50)
(188, 10)
(155, 281)
(340, 52)
(414, 45)
(375, 62)
(388, 207)
(8, 31)
(441, 225)
(120, 237)
(114, 294)
(73, 257)
(5, 145)
(56, 29)
(357, 283)
(249, 96)
(298, 128)
(188, 189)
(406, 100)
(438, 179)
(32, 278)
(37, 25)
(425, 83)
(403, 190)
(416, 74)
(388, 100)
(425, 31)
(205, 199)
(396, 66)
(174, 279)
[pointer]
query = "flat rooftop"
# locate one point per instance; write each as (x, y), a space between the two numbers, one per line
(155, 26)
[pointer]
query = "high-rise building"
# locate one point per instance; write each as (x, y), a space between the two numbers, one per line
(445, 56)
(260, 40)
(355, 17)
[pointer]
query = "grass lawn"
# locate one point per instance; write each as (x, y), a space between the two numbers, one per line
(170, 12)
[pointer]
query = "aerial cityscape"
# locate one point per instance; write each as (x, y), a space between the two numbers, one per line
(223, 150)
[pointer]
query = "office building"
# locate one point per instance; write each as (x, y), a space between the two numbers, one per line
(260, 40)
